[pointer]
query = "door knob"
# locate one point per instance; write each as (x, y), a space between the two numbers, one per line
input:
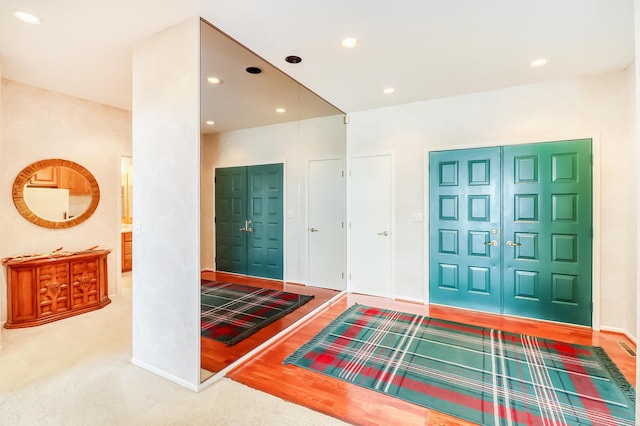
(512, 244)
(384, 233)
(491, 243)
(313, 230)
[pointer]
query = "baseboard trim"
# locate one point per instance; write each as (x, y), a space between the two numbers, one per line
(165, 375)
(410, 300)
(619, 331)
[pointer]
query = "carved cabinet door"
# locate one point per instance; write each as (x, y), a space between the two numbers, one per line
(85, 281)
(53, 289)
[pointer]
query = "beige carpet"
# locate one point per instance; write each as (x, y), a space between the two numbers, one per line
(78, 372)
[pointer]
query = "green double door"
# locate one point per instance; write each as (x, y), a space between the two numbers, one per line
(249, 220)
(511, 230)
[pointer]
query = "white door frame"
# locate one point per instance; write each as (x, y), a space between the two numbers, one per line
(307, 240)
(392, 226)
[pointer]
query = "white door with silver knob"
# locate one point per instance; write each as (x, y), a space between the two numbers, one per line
(370, 226)
(326, 224)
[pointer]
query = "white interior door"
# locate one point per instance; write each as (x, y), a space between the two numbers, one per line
(370, 226)
(326, 227)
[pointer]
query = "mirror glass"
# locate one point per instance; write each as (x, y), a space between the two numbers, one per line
(257, 121)
(55, 193)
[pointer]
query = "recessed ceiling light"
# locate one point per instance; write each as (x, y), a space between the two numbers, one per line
(210, 122)
(538, 62)
(349, 43)
(389, 90)
(293, 59)
(26, 17)
(281, 110)
(214, 80)
(253, 70)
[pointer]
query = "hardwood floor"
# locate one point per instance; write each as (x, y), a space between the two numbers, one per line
(214, 355)
(358, 405)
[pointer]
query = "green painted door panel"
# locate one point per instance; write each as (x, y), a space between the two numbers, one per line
(231, 213)
(265, 208)
(535, 203)
(249, 220)
(464, 217)
(548, 218)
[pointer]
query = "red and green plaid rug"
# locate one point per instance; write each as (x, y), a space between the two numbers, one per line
(232, 312)
(485, 376)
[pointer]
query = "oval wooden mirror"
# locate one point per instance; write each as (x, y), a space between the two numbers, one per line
(55, 193)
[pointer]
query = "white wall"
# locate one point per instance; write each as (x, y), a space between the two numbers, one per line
(636, 121)
(595, 106)
(37, 124)
(166, 206)
(4, 206)
(293, 144)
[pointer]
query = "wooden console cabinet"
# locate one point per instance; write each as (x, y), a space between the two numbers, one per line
(52, 288)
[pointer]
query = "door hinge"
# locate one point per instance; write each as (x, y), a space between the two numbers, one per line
(346, 119)
(342, 173)
(215, 220)
(215, 180)
(342, 275)
(342, 224)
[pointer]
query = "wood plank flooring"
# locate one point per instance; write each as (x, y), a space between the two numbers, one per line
(214, 355)
(361, 406)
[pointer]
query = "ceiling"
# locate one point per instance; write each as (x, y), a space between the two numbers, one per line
(425, 49)
(244, 100)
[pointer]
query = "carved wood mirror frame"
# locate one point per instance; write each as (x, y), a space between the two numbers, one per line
(25, 175)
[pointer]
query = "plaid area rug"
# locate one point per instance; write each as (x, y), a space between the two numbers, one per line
(232, 312)
(485, 376)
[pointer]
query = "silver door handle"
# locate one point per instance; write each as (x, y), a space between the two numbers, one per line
(491, 243)
(512, 244)
(243, 229)
(313, 230)
(384, 233)
(248, 225)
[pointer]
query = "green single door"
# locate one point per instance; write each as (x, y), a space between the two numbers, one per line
(249, 220)
(265, 209)
(231, 214)
(547, 231)
(464, 217)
